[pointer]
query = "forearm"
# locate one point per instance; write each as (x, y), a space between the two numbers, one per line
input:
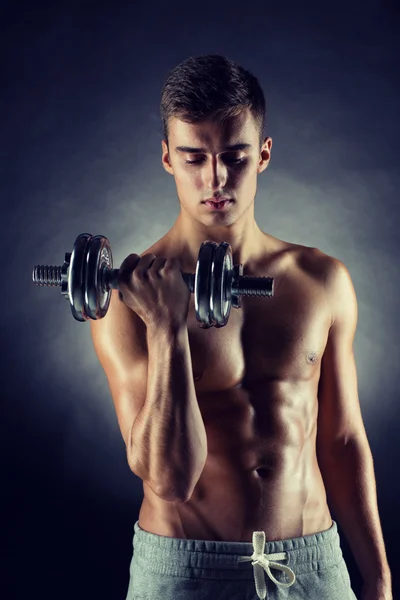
(350, 483)
(168, 442)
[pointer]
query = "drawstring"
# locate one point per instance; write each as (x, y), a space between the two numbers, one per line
(264, 562)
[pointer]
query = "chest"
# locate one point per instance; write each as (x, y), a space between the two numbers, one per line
(281, 338)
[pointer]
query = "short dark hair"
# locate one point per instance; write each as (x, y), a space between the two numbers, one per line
(211, 87)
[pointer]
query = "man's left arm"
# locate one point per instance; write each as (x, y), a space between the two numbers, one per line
(343, 450)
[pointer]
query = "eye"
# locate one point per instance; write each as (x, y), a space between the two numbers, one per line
(232, 161)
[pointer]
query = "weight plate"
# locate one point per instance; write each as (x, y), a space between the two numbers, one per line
(76, 276)
(202, 284)
(221, 280)
(95, 295)
(237, 272)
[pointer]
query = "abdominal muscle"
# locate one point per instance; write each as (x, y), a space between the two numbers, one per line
(261, 474)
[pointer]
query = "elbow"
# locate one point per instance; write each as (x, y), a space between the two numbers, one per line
(174, 497)
(178, 490)
(177, 494)
(176, 487)
(179, 485)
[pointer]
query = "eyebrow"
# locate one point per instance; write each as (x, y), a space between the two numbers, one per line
(198, 150)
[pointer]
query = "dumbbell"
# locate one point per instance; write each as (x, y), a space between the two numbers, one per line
(87, 277)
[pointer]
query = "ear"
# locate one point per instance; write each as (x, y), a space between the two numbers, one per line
(165, 159)
(265, 155)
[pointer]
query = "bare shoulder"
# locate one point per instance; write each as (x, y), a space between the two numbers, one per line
(330, 268)
(315, 261)
(307, 258)
(332, 275)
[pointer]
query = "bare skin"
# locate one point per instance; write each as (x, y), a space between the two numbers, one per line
(256, 381)
(273, 402)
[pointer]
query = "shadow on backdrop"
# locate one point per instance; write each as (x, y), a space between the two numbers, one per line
(81, 152)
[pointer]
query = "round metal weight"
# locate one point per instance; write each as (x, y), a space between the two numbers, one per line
(96, 297)
(221, 276)
(202, 284)
(76, 279)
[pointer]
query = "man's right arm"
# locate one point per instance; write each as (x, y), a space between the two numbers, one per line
(167, 442)
(155, 399)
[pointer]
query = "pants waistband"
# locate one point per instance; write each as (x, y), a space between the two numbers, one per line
(192, 558)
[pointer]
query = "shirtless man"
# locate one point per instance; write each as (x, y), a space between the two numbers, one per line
(240, 434)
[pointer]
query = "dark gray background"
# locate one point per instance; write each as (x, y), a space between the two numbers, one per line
(81, 151)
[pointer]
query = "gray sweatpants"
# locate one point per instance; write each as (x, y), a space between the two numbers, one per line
(309, 567)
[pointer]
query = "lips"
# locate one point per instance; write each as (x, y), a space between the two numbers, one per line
(217, 200)
(217, 206)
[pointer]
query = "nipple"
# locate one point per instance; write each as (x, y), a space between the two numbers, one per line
(312, 357)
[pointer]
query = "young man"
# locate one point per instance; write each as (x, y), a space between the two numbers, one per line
(240, 434)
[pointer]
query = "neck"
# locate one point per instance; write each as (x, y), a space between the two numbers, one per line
(245, 237)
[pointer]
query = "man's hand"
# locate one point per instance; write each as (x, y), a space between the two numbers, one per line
(377, 591)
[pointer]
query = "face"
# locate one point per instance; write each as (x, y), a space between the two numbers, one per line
(208, 160)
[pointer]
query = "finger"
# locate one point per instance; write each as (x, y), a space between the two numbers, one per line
(172, 263)
(126, 268)
(157, 265)
(144, 265)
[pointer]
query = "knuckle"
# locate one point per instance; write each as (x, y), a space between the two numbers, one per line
(128, 264)
(172, 263)
(152, 274)
(156, 266)
(141, 267)
(138, 275)
(147, 258)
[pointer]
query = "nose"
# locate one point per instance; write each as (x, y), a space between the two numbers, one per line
(215, 175)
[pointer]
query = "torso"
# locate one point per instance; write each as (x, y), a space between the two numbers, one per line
(257, 387)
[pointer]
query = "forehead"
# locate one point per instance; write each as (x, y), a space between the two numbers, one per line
(241, 128)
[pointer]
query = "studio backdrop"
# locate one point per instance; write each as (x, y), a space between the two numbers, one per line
(81, 152)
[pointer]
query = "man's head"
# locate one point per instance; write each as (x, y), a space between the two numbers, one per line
(209, 104)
